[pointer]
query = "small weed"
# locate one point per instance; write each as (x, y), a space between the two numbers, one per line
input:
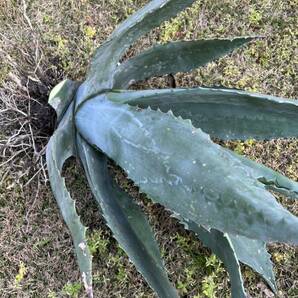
(171, 30)
(231, 70)
(52, 294)
(47, 19)
(281, 257)
(121, 274)
(21, 274)
(255, 17)
(182, 242)
(250, 142)
(90, 32)
(182, 286)
(278, 257)
(210, 282)
(247, 82)
(209, 286)
(97, 243)
(240, 147)
(214, 264)
(41, 243)
(72, 289)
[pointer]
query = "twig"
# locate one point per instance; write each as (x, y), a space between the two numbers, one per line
(26, 16)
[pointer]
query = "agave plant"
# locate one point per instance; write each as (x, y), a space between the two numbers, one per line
(161, 140)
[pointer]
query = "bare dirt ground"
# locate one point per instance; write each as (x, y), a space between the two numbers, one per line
(42, 42)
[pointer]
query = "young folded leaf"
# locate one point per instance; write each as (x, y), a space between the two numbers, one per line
(160, 138)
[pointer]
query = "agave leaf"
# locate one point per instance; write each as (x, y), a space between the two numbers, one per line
(254, 254)
(181, 56)
(126, 220)
(223, 113)
(59, 149)
(62, 95)
(185, 171)
(221, 245)
(108, 55)
(202, 106)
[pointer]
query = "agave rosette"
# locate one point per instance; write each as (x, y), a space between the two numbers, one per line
(161, 140)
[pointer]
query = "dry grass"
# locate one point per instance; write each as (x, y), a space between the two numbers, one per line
(45, 41)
